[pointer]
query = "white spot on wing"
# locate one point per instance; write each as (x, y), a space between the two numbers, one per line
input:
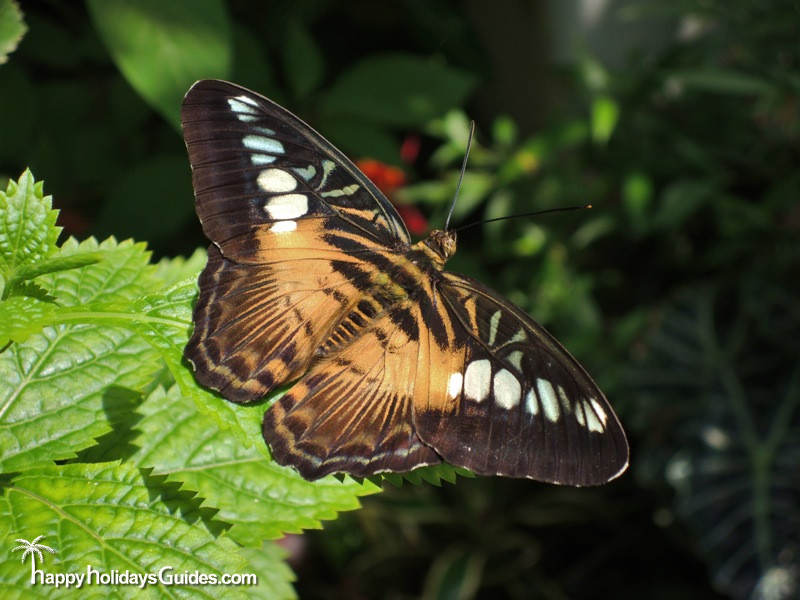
(515, 358)
(284, 226)
(276, 181)
(306, 172)
(507, 390)
(243, 109)
(264, 144)
(345, 191)
(519, 336)
(579, 414)
(599, 410)
(531, 402)
(493, 323)
(592, 422)
(454, 384)
(477, 380)
(549, 401)
(594, 415)
(565, 403)
(287, 206)
(246, 100)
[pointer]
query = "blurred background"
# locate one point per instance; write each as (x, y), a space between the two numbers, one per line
(679, 121)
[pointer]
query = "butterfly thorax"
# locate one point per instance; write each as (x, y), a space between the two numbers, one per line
(438, 247)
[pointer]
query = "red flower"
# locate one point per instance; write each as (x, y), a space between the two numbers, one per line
(386, 177)
(409, 151)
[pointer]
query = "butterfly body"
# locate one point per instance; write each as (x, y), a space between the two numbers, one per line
(312, 277)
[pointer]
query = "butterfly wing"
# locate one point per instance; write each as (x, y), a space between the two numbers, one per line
(289, 217)
(310, 276)
(353, 411)
(505, 398)
(255, 165)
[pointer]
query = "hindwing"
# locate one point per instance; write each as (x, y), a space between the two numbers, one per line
(510, 400)
(353, 411)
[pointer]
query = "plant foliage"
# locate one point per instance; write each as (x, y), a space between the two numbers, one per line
(145, 478)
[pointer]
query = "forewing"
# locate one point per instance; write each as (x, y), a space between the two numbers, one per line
(291, 220)
(506, 398)
(258, 170)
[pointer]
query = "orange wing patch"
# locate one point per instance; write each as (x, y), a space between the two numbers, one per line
(257, 327)
(353, 410)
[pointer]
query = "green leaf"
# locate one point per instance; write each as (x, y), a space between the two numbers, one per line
(152, 200)
(456, 575)
(21, 317)
(123, 273)
(261, 499)
(57, 263)
(69, 384)
(504, 132)
(274, 575)
(18, 286)
(28, 229)
(680, 200)
(163, 47)
(303, 62)
(400, 89)
(173, 270)
(722, 81)
(637, 198)
(112, 516)
(433, 474)
(605, 115)
(30, 290)
(475, 186)
(12, 28)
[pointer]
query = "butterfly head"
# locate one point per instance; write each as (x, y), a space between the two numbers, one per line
(442, 244)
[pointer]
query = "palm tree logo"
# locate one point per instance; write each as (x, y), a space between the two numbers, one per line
(33, 548)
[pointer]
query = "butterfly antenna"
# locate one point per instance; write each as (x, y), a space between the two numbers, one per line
(461, 175)
(527, 214)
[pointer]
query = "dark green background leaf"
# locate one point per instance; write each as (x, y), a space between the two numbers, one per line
(397, 89)
(164, 47)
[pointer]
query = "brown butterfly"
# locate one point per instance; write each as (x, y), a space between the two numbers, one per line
(313, 277)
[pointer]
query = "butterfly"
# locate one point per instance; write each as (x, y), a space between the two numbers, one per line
(313, 278)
